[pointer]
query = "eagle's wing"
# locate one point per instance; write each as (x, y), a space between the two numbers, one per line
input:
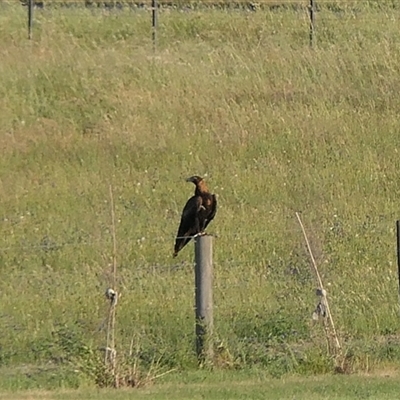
(189, 225)
(213, 210)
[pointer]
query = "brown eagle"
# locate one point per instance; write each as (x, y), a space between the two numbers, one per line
(198, 212)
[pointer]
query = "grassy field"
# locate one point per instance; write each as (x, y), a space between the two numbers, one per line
(275, 126)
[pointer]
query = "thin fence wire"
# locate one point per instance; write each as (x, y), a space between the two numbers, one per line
(334, 6)
(381, 227)
(318, 13)
(122, 3)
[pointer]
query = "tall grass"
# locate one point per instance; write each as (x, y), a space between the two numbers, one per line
(276, 126)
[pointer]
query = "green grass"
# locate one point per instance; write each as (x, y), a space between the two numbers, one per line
(235, 385)
(276, 126)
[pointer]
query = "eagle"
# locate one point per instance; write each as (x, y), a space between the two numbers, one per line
(198, 212)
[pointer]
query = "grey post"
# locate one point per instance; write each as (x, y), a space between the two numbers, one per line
(204, 298)
(312, 22)
(30, 17)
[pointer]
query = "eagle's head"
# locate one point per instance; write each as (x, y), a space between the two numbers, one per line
(194, 179)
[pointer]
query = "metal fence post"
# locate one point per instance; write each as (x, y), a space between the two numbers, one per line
(312, 22)
(30, 17)
(154, 22)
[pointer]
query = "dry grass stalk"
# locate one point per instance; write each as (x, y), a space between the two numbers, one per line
(111, 355)
(331, 334)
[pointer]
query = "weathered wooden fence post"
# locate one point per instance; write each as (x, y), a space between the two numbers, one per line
(312, 22)
(204, 298)
(30, 18)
